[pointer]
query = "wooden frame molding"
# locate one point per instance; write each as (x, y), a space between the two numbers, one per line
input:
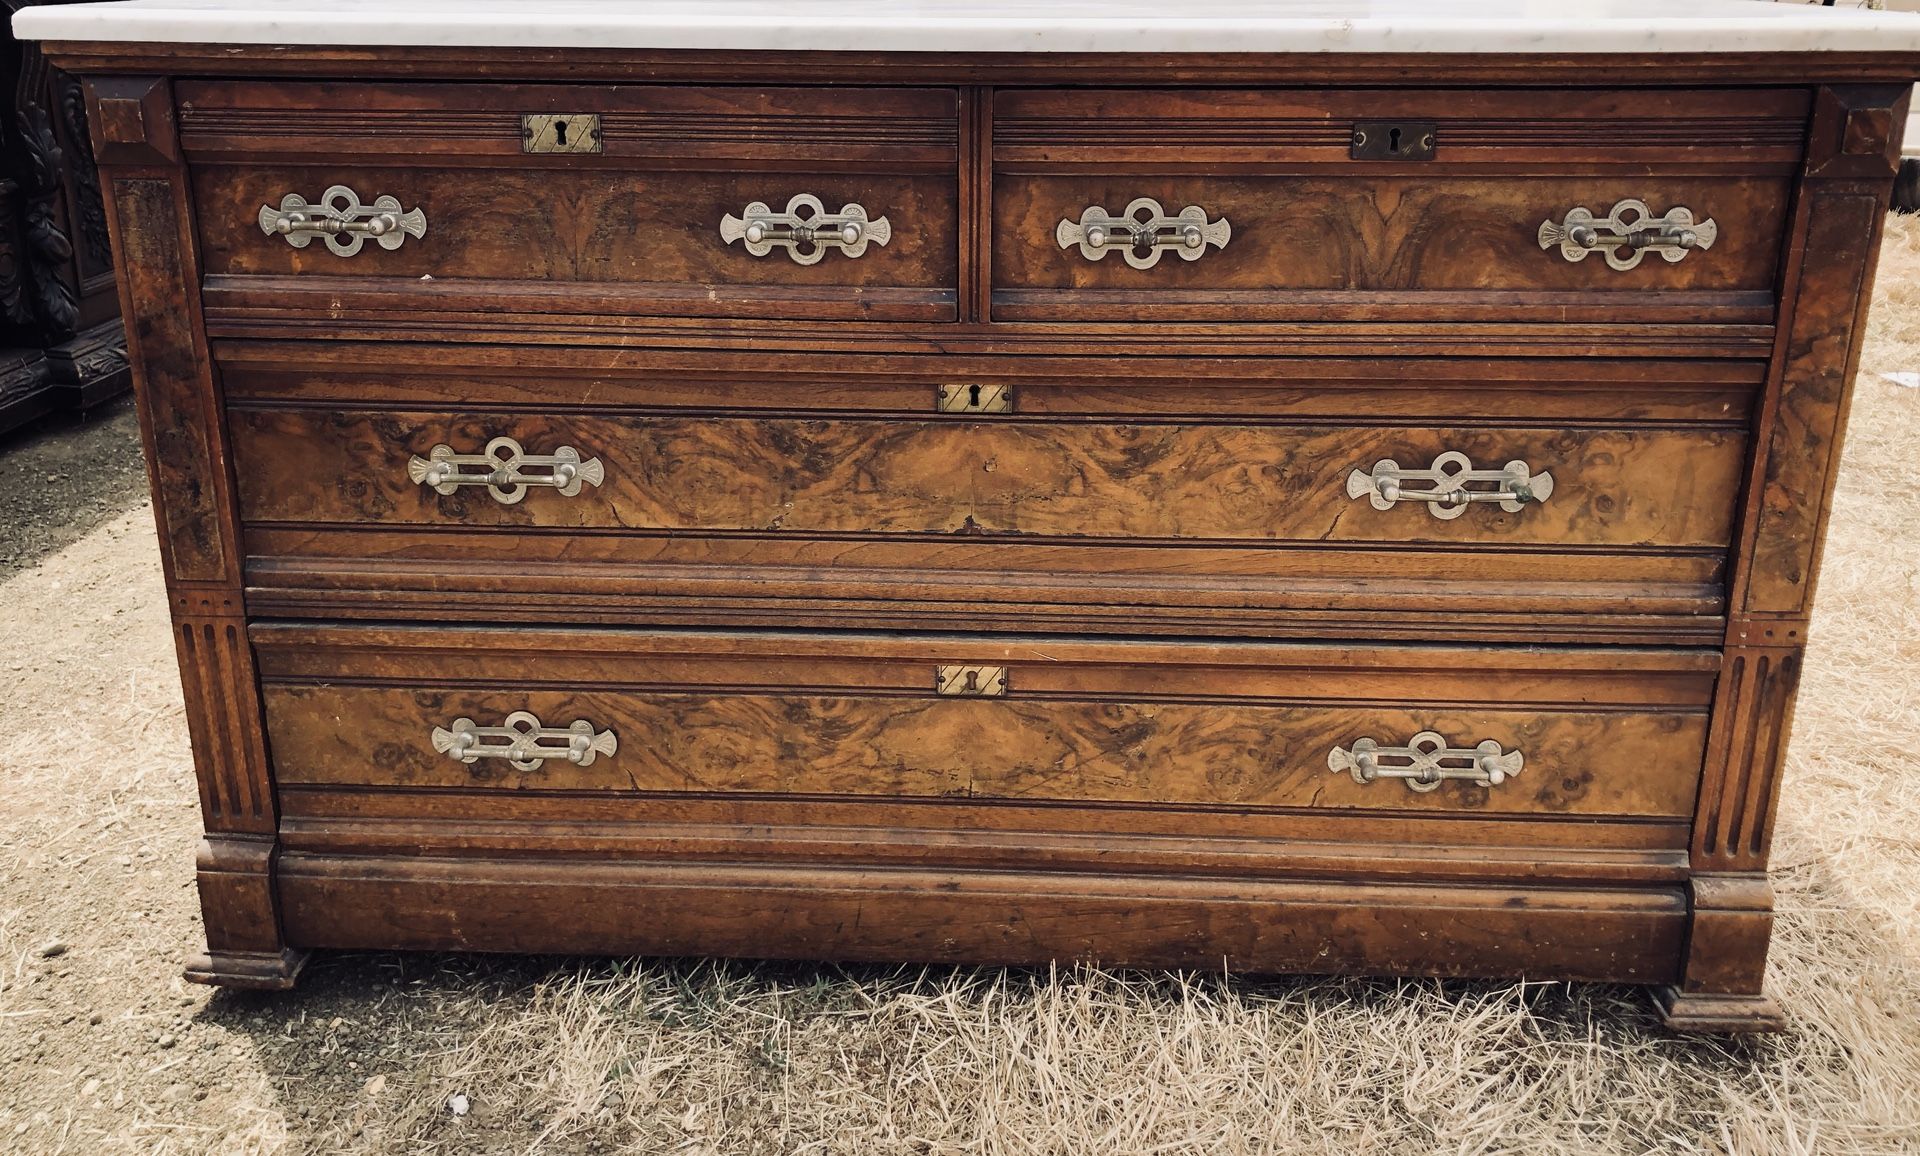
(151, 225)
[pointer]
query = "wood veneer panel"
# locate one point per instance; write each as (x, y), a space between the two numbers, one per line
(1088, 481)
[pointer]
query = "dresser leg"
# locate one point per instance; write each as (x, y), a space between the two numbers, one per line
(244, 947)
(1721, 989)
(1717, 1012)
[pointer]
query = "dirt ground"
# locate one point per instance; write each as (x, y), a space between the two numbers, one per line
(62, 477)
(104, 1050)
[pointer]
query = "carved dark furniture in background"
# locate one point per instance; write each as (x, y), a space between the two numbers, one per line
(1390, 559)
(61, 343)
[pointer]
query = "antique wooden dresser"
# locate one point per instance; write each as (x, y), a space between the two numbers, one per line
(1230, 484)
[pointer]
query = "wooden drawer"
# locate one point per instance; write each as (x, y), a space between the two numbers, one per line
(1311, 233)
(1089, 481)
(1229, 499)
(632, 228)
(1187, 727)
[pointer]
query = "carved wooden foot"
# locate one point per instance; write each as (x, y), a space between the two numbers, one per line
(254, 970)
(237, 903)
(1721, 989)
(1717, 1012)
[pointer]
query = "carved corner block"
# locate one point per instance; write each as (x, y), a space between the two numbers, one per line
(1856, 130)
(241, 912)
(132, 121)
(1721, 989)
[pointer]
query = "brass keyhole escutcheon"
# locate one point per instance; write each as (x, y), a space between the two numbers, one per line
(973, 397)
(571, 132)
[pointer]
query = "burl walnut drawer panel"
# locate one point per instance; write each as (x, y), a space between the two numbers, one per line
(1321, 729)
(1185, 496)
(631, 225)
(1282, 221)
(1090, 481)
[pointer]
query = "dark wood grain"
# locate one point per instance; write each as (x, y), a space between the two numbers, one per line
(1174, 754)
(1009, 834)
(1694, 131)
(1527, 71)
(671, 909)
(561, 379)
(652, 239)
(800, 541)
(1173, 724)
(1094, 482)
(1432, 238)
(734, 128)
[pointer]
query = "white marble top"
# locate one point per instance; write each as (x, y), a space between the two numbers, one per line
(1556, 26)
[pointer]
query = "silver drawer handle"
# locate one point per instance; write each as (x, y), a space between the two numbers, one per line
(1628, 233)
(1446, 492)
(342, 220)
(1143, 232)
(1426, 762)
(523, 742)
(502, 468)
(805, 230)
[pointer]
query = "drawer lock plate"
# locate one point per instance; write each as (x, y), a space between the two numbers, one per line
(973, 399)
(560, 132)
(970, 681)
(1392, 140)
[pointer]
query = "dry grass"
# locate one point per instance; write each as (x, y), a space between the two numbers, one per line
(97, 824)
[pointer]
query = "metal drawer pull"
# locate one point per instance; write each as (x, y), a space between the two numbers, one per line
(1143, 232)
(1629, 233)
(806, 236)
(1447, 495)
(523, 742)
(1426, 762)
(502, 469)
(342, 220)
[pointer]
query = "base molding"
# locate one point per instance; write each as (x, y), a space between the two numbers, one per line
(251, 970)
(1717, 1012)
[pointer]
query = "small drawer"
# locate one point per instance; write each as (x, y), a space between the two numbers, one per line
(1432, 731)
(770, 204)
(1270, 205)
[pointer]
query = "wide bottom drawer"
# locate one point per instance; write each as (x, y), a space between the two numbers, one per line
(901, 730)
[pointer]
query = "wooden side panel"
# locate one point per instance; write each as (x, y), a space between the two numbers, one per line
(1841, 239)
(1852, 157)
(174, 376)
(151, 224)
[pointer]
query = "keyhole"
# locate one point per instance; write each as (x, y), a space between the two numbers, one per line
(973, 681)
(973, 396)
(1393, 140)
(560, 134)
